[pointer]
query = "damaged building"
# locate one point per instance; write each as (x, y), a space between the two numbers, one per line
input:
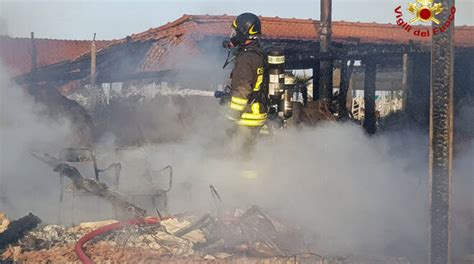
(172, 56)
(92, 81)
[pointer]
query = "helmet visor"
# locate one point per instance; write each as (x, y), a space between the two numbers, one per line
(235, 38)
(233, 33)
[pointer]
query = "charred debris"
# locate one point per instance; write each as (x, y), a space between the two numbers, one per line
(228, 235)
(225, 235)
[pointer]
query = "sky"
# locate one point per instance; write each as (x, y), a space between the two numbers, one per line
(73, 19)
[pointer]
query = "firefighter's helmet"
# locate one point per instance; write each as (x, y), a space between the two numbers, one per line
(246, 26)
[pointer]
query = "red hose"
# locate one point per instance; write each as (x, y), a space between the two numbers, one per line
(80, 251)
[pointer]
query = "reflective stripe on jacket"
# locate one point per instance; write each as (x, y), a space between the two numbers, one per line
(247, 79)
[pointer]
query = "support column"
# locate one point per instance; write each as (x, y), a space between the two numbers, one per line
(346, 71)
(93, 76)
(34, 59)
(316, 81)
(326, 64)
(441, 139)
(32, 87)
(471, 74)
(350, 97)
(369, 96)
(405, 85)
(93, 62)
(417, 87)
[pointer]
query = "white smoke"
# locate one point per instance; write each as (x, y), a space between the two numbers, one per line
(22, 129)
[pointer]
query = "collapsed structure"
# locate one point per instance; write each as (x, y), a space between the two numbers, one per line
(165, 54)
(169, 52)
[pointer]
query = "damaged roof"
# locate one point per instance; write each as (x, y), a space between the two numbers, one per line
(156, 49)
(300, 29)
(194, 27)
(15, 53)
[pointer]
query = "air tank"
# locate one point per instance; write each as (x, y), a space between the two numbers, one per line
(276, 74)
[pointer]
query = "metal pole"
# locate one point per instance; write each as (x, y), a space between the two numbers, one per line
(326, 64)
(93, 77)
(369, 95)
(93, 62)
(34, 59)
(441, 139)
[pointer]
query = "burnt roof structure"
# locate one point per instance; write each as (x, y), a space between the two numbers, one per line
(157, 52)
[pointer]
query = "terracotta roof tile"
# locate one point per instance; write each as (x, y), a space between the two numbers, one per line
(15, 53)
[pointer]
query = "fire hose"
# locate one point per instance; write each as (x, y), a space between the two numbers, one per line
(89, 236)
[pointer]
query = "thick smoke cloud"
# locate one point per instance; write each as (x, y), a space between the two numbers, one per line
(350, 193)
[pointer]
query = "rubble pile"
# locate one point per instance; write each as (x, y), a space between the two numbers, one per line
(234, 236)
(224, 236)
(188, 237)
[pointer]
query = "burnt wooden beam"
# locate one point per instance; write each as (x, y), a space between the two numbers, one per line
(50, 77)
(369, 96)
(417, 87)
(404, 80)
(99, 189)
(441, 138)
(410, 80)
(18, 229)
(316, 81)
(346, 71)
(91, 186)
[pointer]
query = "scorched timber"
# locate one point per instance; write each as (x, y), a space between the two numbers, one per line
(17, 229)
(91, 186)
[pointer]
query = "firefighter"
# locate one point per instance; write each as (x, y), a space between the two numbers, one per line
(247, 106)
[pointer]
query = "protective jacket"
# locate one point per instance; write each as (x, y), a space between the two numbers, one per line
(247, 105)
